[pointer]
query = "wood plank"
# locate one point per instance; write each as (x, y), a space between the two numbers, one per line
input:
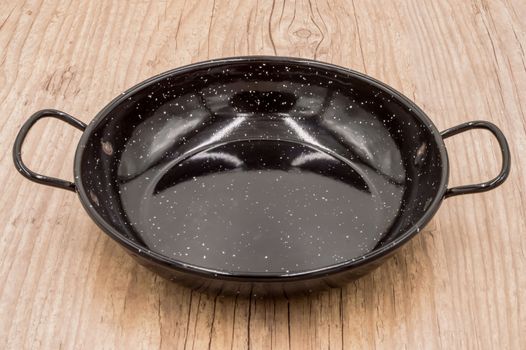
(461, 283)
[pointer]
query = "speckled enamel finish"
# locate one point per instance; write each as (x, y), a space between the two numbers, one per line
(261, 175)
(260, 168)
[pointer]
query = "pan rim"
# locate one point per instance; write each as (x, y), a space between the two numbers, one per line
(347, 265)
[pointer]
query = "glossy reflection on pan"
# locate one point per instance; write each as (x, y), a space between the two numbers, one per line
(261, 168)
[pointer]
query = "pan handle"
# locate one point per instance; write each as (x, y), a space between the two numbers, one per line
(504, 149)
(17, 148)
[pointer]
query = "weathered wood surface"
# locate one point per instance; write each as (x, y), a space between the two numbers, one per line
(460, 284)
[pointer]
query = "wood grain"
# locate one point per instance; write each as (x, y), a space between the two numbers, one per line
(460, 284)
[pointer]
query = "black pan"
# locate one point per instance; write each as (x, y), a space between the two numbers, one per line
(261, 175)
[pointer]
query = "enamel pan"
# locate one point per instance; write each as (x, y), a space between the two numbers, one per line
(261, 175)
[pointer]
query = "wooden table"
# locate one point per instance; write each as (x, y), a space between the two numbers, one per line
(461, 283)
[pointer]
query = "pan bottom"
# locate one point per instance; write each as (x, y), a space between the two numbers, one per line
(261, 206)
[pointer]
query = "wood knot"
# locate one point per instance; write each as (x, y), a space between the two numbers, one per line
(303, 33)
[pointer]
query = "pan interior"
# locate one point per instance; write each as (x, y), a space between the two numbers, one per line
(261, 167)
